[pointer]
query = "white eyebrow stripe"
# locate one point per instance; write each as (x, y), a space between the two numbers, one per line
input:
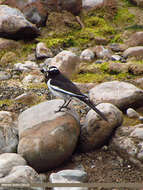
(64, 91)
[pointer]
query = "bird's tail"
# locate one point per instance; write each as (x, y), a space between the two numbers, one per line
(91, 105)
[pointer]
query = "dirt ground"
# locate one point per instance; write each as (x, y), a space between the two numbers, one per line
(104, 166)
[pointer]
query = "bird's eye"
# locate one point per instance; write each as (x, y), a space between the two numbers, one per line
(43, 70)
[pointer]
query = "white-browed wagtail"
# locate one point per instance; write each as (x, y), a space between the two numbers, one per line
(62, 87)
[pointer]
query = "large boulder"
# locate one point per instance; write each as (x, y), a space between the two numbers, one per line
(36, 11)
(133, 51)
(65, 61)
(14, 25)
(47, 138)
(95, 132)
(121, 94)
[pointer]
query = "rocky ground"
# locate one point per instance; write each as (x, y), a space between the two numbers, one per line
(93, 49)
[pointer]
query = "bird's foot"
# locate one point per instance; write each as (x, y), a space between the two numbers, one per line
(60, 109)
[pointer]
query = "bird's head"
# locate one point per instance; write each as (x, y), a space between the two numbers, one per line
(50, 71)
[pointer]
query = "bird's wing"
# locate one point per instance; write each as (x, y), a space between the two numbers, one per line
(66, 87)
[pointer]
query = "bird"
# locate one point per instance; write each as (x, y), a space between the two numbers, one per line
(62, 87)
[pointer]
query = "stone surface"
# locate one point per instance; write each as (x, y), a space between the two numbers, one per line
(8, 161)
(101, 52)
(121, 94)
(65, 61)
(26, 66)
(96, 131)
(8, 133)
(136, 39)
(44, 135)
(87, 55)
(8, 44)
(42, 51)
(32, 78)
(127, 141)
(14, 25)
(138, 2)
(4, 75)
(133, 51)
(132, 113)
(92, 3)
(36, 11)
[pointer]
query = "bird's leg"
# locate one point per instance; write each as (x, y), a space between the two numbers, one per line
(60, 107)
(65, 105)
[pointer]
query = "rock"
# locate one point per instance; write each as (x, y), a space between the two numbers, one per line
(65, 61)
(127, 141)
(92, 3)
(116, 57)
(21, 175)
(8, 133)
(57, 178)
(138, 2)
(116, 47)
(4, 75)
(133, 51)
(14, 25)
(141, 119)
(87, 55)
(135, 68)
(136, 39)
(75, 175)
(8, 161)
(85, 87)
(139, 82)
(42, 51)
(132, 113)
(95, 132)
(44, 135)
(8, 44)
(26, 66)
(101, 52)
(8, 57)
(28, 98)
(121, 94)
(36, 11)
(115, 67)
(32, 78)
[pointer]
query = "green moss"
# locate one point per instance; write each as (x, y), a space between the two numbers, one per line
(6, 102)
(117, 38)
(123, 17)
(36, 85)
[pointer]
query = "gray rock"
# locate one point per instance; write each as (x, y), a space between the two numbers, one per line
(141, 119)
(8, 133)
(121, 94)
(75, 175)
(127, 141)
(96, 131)
(133, 51)
(57, 178)
(26, 66)
(87, 55)
(116, 57)
(14, 25)
(4, 75)
(91, 3)
(44, 135)
(66, 61)
(132, 113)
(21, 175)
(42, 51)
(101, 52)
(8, 161)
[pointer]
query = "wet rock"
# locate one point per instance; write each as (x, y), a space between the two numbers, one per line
(132, 113)
(4, 75)
(8, 161)
(96, 131)
(121, 94)
(87, 55)
(8, 133)
(44, 135)
(65, 61)
(133, 51)
(42, 51)
(14, 25)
